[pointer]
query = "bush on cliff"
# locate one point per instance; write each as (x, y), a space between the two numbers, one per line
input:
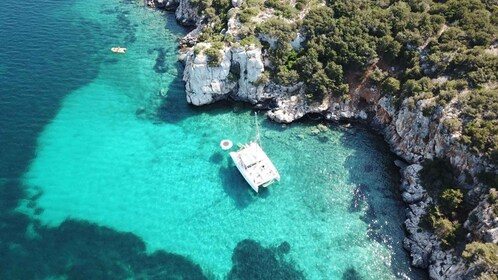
(214, 56)
(278, 29)
(216, 12)
(282, 8)
(246, 14)
(485, 255)
(450, 200)
(481, 128)
(391, 86)
(443, 227)
(452, 124)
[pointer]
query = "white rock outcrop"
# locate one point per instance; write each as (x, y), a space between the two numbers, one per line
(237, 76)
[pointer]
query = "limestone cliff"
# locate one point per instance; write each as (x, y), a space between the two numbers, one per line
(236, 76)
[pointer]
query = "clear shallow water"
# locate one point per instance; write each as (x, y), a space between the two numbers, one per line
(123, 150)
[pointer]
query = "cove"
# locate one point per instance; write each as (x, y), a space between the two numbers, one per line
(124, 151)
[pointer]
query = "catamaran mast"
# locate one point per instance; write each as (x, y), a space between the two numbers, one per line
(258, 138)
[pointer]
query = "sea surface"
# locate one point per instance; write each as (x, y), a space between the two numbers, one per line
(107, 173)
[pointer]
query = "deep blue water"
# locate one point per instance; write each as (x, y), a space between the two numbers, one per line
(32, 88)
(107, 173)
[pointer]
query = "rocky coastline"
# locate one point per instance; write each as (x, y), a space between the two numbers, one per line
(412, 134)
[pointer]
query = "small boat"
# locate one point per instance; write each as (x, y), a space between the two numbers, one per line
(118, 50)
(254, 165)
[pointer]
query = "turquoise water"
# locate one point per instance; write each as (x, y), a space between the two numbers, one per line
(119, 147)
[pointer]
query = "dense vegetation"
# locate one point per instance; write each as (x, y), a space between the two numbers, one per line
(485, 255)
(481, 117)
(438, 51)
(404, 45)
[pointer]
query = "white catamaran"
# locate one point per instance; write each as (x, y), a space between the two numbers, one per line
(254, 164)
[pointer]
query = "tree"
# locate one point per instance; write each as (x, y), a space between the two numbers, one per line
(451, 200)
(391, 86)
(445, 230)
(484, 254)
(214, 57)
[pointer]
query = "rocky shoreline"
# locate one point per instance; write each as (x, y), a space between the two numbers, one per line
(412, 134)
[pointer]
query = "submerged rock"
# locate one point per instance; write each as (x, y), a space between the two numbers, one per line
(253, 261)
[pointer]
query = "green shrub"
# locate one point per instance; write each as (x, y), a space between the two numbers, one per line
(429, 109)
(214, 57)
(445, 230)
(481, 130)
(250, 40)
(493, 196)
(286, 77)
(441, 225)
(445, 96)
(282, 7)
(247, 30)
(457, 84)
(277, 28)
(391, 86)
(451, 199)
(246, 14)
(411, 103)
(253, 3)
(484, 255)
(197, 50)
(263, 79)
(411, 87)
(452, 124)
(377, 75)
(217, 45)
(301, 4)
(475, 65)
(426, 84)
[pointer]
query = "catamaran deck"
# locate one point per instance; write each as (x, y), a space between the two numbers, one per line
(255, 166)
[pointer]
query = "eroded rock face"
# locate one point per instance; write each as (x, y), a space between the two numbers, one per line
(417, 137)
(419, 243)
(482, 221)
(205, 84)
(237, 76)
(248, 61)
(164, 4)
(186, 13)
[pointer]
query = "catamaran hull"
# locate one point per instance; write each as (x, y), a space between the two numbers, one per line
(238, 164)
